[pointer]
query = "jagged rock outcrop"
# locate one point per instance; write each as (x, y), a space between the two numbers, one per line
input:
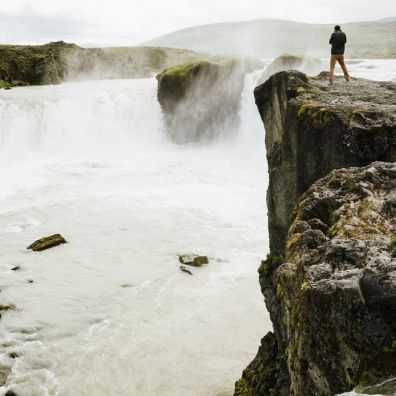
(312, 128)
(333, 301)
(55, 62)
(330, 280)
(36, 64)
(305, 64)
(200, 100)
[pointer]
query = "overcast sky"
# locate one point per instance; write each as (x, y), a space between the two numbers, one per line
(129, 22)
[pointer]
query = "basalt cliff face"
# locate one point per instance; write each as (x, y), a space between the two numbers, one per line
(312, 128)
(330, 280)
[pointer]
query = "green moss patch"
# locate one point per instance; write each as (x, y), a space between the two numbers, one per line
(5, 85)
(270, 264)
(242, 388)
(31, 65)
(318, 117)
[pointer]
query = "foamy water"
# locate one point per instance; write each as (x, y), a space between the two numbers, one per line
(110, 313)
(379, 69)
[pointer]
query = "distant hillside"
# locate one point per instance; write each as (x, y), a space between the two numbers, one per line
(387, 20)
(58, 61)
(269, 38)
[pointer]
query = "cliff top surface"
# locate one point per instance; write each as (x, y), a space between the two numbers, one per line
(357, 93)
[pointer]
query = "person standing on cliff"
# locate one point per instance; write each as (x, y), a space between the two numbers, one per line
(337, 41)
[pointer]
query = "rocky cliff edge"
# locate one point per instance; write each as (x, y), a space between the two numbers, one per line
(330, 279)
(312, 128)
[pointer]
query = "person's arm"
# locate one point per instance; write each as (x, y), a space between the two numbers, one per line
(345, 38)
(331, 39)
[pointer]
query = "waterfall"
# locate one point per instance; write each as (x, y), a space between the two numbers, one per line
(110, 312)
(79, 120)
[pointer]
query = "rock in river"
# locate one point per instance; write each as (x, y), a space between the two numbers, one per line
(47, 242)
(200, 100)
(193, 260)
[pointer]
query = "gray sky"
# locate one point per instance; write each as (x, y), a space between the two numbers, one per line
(129, 22)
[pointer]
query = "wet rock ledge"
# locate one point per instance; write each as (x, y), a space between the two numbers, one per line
(330, 280)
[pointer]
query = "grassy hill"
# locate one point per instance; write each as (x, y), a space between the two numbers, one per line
(269, 38)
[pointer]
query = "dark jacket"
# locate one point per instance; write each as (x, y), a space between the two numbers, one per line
(337, 41)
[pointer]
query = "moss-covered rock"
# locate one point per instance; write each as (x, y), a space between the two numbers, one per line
(345, 283)
(5, 85)
(55, 62)
(47, 242)
(259, 378)
(194, 260)
(175, 82)
(201, 99)
(40, 64)
(333, 301)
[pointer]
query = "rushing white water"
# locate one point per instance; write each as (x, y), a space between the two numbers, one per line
(379, 69)
(110, 313)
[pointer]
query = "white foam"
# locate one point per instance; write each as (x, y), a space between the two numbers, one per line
(110, 312)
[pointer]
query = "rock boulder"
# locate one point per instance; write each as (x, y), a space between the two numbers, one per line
(47, 242)
(200, 100)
